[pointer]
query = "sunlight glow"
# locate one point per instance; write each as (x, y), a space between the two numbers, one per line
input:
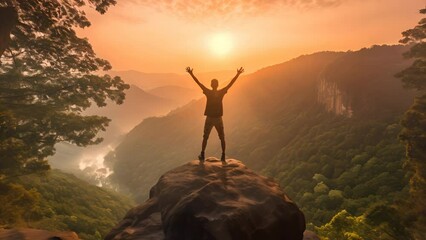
(220, 44)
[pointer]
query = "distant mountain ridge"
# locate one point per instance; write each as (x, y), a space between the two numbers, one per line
(150, 80)
(180, 95)
(138, 105)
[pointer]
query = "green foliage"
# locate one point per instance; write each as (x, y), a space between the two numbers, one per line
(17, 203)
(47, 78)
(379, 222)
(360, 165)
(413, 133)
(57, 201)
(388, 220)
(344, 226)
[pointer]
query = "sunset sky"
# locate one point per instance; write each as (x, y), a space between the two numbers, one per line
(165, 36)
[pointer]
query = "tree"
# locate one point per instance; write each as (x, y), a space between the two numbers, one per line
(378, 222)
(48, 77)
(413, 133)
(387, 220)
(345, 226)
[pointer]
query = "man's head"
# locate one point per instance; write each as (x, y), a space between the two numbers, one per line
(214, 84)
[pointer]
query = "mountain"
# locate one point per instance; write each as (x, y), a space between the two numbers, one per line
(212, 201)
(57, 201)
(151, 80)
(180, 95)
(325, 126)
(138, 105)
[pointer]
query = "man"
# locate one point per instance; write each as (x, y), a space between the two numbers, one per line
(214, 111)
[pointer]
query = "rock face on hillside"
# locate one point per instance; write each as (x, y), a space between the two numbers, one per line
(211, 201)
(334, 99)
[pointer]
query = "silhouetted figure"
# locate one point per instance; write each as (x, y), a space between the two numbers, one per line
(214, 111)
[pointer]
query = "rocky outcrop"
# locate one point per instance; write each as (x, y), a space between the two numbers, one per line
(333, 98)
(35, 234)
(212, 201)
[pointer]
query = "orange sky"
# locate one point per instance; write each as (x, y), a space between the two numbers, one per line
(166, 36)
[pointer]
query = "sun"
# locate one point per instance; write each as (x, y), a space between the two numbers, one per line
(220, 44)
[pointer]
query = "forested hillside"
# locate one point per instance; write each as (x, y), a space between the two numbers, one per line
(327, 161)
(60, 202)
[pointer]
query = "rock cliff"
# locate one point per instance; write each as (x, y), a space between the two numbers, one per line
(212, 201)
(333, 98)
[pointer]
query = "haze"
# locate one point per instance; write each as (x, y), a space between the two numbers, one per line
(166, 36)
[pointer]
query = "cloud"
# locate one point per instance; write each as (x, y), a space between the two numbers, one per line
(227, 8)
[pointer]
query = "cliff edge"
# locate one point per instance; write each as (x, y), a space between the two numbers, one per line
(211, 201)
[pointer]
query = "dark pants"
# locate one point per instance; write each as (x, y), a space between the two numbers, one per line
(217, 123)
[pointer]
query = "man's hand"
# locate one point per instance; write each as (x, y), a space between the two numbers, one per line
(189, 70)
(240, 70)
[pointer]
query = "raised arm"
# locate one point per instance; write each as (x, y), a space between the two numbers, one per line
(189, 70)
(239, 71)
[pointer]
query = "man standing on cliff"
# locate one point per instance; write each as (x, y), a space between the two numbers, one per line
(214, 111)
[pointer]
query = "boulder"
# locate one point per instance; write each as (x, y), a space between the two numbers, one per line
(213, 201)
